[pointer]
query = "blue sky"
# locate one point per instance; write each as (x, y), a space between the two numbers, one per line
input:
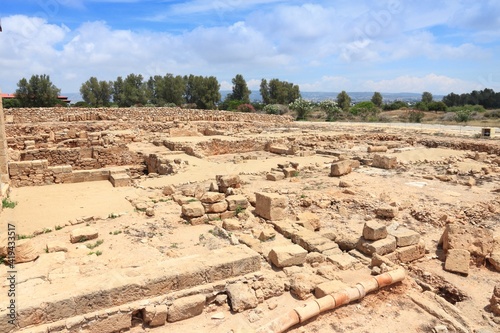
(378, 45)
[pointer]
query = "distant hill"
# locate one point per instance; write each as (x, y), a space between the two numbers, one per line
(316, 96)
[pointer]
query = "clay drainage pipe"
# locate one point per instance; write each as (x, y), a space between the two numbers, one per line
(329, 302)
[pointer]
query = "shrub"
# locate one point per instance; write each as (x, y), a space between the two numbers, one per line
(331, 109)
(7, 203)
(246, 108)
(302, 107)
(463, 116)
(365, 110)
(492, 114)
(170, 105)
(415, 116)
(272, 109)
(397, 105)
(436, 106)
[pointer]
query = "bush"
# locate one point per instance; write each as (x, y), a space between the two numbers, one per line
(463, 116)
(302, 107)
(170, 105)
(437, 106)
(273, 109)
(422, 106)
(415, 116)
(81, 104)
(11, 103)
(473, 108)
(365, 110)
(331, 109)
(492, 114)
(397, 105)
(246, 108)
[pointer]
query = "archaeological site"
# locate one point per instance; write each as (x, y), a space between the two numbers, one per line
(178, 220)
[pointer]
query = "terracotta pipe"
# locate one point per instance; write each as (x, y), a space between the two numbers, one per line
(312, 309)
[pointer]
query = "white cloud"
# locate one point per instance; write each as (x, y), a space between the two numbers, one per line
(437, 84)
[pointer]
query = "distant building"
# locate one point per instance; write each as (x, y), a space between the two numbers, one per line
(61, 98)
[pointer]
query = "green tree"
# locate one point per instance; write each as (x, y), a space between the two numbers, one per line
(331, 109)
(96, 93)
(427, 97)
(279, 92)
(377, 99)
(39, 91)
(240, 89)
(168, 89)
(202, 91)
(344, 101)
(302, 107)
(119, 91)
(364, 110)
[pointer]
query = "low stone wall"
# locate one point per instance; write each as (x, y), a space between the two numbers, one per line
(110, 291)
(38, 173)
(84, 158)
(148, 114)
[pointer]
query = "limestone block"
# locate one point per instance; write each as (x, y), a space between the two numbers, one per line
(226, 181)
(309, 221)
(83, 234)
(387, 212)
(479, 242)
(212, 197)
(155, 316)
(343, 261)
(328, 288)
(290, 172)
(168, 190)
(114, 323)
(236, 202)
(185, 308)
(340, 168)
(242, 297)
(377, 149)
(218, 207)
(56, 246)
(231, 224)
(457, 261)
(267, 234)
(275, 176)
(119, 180)
(405, 237)
(193, 209)
(384, 162)
(494, 258)
(495, 300)
(285, 256)
(270, 206)
(23, 252)
(411, 253)
(373, 230)
(199, 220)
(381, 247)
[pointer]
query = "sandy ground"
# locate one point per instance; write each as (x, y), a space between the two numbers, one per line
(166, 235)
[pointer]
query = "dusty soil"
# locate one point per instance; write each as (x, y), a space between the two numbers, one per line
(131, 239)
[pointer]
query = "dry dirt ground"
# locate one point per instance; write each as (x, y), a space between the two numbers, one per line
(132, 239)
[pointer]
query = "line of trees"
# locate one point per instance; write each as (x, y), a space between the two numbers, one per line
(169, 90)
(488, 98)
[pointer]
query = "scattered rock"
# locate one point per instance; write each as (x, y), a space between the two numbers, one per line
(341, 168)
(83, 234)
(374, 231)
(285, 256)
(186, 307)
(457, 261)
(193, 209)
(241, 297)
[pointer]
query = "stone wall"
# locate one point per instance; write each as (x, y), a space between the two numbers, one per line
(148, 114)
(4, 156)
(38, 173)
(84, 158)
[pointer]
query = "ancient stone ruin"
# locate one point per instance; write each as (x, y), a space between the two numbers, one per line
(232, 222)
